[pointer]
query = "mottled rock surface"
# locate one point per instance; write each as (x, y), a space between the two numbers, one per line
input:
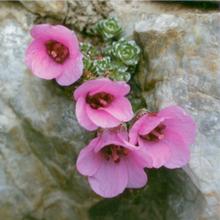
(40, 138)
(129, 12)
(181, 65)
(170, 195)
(55, 8)
(76, 14)
(82, 14)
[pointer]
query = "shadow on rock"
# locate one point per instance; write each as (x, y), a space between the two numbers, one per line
(168, 195)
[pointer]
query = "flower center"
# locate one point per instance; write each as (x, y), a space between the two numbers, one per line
(156, 134)
(114, 152)
(57, 51)
(101, 99)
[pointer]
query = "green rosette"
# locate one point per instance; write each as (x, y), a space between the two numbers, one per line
(119, 72)
(102, 65)
(120, 76)
(89, 50)
(107, 51)
(85, 48)
(108, 28)
(89, 64)
(128, 52)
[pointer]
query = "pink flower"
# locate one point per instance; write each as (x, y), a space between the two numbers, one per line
(54, 54)
(165, 136)
(112, 164)
(101, 103)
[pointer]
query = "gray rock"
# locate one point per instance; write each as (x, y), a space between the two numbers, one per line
(40, 138)
(55, 8)
(181, 64)
(129, 12)
(82, 14)
(39, 135)
(76, 14)
(170, 194)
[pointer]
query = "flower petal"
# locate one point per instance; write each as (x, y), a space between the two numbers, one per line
(113, 136)
(40, 63)
(142, 157)
(88, 161)
(58, 33)
(158, 151)
(102, 85)
(121, 109)
(143, 126)
(72, 71)
(110, 179)
(134, 131)
(82, 116)
(136, 176)
(182, 124)
(149, 124)
(101, 118)
(116, 88)
(41, 31)
(180, 152)
(179, 120)
(172, 111)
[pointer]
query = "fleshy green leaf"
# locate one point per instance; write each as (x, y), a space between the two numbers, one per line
(127, 52)
(108, 28)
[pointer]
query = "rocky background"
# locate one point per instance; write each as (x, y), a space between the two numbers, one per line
(39, 135)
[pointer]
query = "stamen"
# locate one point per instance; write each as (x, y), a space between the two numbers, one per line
(101, 99)
(156, 134)
(115, 155)
(114, 152)
(57, 51)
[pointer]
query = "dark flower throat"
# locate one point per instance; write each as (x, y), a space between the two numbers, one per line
(114, 152)
(101, 99)
(57, 51)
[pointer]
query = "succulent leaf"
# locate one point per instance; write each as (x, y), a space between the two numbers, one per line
(127, 52)
(102, 65)
(108, 28)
